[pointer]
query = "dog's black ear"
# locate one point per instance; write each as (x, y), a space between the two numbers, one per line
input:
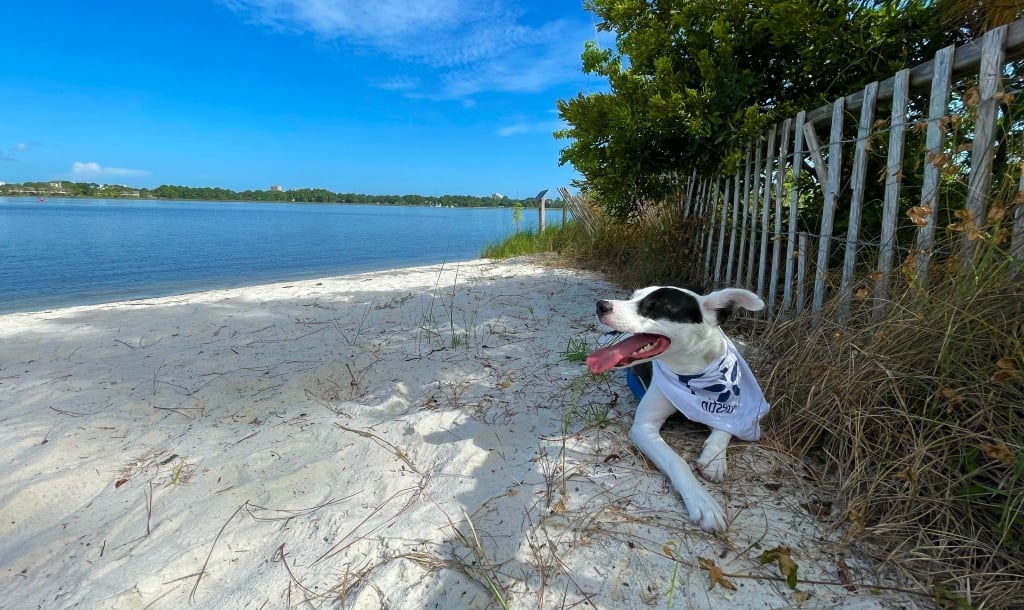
(721, 304)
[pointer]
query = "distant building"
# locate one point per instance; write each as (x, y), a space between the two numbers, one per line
(275, 187)
(498, 196)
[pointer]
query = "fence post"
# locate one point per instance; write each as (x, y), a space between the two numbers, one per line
(746, 214)
(780, 179)
(835, 170)
(1017, 237)
(765, 207)
(732, 229)
(937, 106)
(721, 234)
(990, 79)
(893, 178)
(801, 273)
(858, 179)
(755, 200)
(794, 200)
(713, 205)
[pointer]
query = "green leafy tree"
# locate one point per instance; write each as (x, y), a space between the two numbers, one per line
(691, 81)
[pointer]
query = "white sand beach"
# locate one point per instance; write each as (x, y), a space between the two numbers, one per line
(413, 438)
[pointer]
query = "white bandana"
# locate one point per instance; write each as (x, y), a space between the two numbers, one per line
(725, 395)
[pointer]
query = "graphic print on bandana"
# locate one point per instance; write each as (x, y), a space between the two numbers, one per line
(713, 396)
(725, 389)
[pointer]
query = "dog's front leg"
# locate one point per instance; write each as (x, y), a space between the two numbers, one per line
(652, 412)
(712, 462)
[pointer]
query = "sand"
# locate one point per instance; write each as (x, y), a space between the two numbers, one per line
(416, 438)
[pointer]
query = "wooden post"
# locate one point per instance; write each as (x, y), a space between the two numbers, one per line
(990, 81)
(780, 179)
(712, 210)
(1017, 236)
(743, 221)
(857, 180)
(755, 199)
(766, 206)
(794, 200)
(893, 178)
(541, 198)
(835, 174)
(732, 229)
(721, 234)
(934, 142)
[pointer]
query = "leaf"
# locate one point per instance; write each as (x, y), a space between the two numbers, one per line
(843, 571)
(952, 398)
(999, 452)
(715, 574)
(919, 215)
(787, 567)
(995, 214)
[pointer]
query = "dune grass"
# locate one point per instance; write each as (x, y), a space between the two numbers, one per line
(521, 243)
(920, 415)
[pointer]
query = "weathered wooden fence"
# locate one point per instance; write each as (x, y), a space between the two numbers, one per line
(750, 219)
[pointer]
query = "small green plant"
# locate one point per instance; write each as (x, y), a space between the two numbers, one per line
(181, 474)
(517, 214)
(669, 549)
(576, 350)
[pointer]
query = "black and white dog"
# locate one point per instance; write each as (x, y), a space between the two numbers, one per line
(696, 370)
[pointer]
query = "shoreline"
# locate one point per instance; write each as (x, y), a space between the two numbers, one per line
(399, 439)
(281, 283)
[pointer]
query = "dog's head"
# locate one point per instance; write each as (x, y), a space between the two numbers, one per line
(668, 322)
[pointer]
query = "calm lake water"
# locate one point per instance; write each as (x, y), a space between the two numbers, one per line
(65, 252)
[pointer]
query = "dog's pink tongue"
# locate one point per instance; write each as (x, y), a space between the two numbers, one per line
(607, 358)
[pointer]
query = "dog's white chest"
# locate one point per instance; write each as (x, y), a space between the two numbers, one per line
(725, 396)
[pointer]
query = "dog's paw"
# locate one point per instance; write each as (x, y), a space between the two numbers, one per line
(704, 511)
(713, 467)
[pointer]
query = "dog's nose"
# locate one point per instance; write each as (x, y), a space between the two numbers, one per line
(603, 307)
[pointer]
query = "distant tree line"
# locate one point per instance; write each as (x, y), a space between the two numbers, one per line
(305, 195)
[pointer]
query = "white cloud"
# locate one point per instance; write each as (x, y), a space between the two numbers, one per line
(93, 169)
(531, 127)
(472, 46)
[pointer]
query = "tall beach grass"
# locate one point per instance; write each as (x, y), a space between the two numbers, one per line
(918, 416)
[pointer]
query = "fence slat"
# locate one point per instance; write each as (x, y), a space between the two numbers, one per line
(938, 105)
(713, 205)
(835, 171)
(746, 214)
(990, 78)
(769, 162)
(780, 183)
(964, 61)
(801, 273)
(814, 148)
(893, 178)
(755, 201)
(794, 200)
(858, 179)
(721, 233)
(732, 229)
(1017, 237)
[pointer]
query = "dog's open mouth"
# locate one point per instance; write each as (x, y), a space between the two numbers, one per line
(633, 348)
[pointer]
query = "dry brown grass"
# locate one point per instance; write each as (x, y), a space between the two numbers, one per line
(921, 417)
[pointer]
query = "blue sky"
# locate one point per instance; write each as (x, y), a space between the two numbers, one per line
(426, 97)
